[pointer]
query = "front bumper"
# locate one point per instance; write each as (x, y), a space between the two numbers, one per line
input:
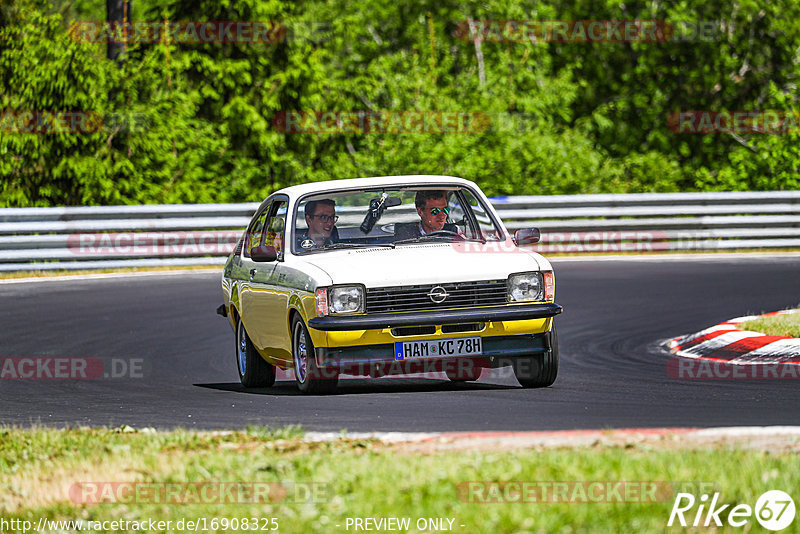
(512, 312)
(377, 360)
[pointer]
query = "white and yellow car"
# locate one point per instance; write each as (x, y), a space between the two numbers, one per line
(389, 275)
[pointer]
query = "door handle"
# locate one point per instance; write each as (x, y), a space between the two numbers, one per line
(253, 273)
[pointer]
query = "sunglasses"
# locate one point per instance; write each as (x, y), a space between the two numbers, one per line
(326, 218)
(437, 211)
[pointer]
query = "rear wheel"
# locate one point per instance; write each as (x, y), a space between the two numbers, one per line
(310, 379)
(541, 370)
(254, 371)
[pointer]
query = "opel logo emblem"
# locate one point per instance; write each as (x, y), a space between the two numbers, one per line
(438, 294)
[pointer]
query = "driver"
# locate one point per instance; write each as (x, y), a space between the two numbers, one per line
(320, 218)
(433, 211)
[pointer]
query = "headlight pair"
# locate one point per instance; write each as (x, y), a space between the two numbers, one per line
(350, 299)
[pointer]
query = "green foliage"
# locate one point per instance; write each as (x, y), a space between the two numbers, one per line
(42, 70)
(323, 484)
(196, 122)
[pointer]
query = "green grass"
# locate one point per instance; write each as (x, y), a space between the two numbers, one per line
(363, 478)
(776, 325)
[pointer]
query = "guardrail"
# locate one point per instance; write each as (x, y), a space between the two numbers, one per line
(204, 234)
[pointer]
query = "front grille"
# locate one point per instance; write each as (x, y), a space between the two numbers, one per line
(415, 298)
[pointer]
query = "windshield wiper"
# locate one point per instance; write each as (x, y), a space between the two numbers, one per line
(420, 238)
(333, 246)
(481, 240)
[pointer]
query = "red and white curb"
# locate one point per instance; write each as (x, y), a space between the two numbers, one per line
(726, 342)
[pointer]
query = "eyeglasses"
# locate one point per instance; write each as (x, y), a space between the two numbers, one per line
(437, 211)
(326, 218)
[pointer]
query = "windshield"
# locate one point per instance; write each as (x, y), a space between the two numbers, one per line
(391, 217)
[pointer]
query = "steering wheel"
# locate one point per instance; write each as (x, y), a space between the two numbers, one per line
(446, 232)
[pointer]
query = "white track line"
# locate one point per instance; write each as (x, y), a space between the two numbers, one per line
(721, 256)
(105, 276)
(557, 437)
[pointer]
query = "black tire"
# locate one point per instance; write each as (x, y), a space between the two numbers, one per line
(541, 370)
(254, 371)
(309, 378)
(463, 371)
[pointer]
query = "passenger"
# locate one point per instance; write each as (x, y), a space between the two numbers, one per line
(321, 220)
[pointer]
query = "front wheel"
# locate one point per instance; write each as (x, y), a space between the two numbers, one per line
(541, 370)
(310, 378)
(254, 371)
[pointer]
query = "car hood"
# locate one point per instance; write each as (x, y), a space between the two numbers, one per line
(424, 264)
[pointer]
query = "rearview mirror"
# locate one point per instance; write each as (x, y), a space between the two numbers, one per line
(376, 208)
(527, 236)
(263, 254)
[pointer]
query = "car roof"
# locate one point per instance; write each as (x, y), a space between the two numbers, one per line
(296, 191)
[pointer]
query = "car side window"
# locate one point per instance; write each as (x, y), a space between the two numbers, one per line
(275, 229)
(487, 228)
(457, 215)
(255, 232)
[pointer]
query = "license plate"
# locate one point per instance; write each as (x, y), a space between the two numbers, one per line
(440, 348)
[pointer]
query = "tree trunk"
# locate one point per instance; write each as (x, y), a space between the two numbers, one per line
(118, 16)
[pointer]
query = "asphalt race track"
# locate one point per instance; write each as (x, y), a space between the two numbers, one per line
(611, 375)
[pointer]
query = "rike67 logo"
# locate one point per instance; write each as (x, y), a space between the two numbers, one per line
(774, 510)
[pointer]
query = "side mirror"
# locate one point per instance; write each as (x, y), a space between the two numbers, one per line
(527, 236)
(263, 254)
